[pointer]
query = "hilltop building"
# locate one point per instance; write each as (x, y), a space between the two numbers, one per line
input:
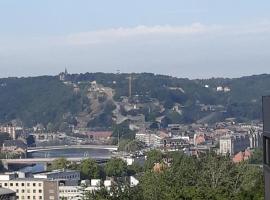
(63, 75)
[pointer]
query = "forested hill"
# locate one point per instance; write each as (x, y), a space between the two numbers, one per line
(46, 99)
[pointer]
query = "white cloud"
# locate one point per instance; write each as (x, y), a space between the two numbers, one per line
(107, 35)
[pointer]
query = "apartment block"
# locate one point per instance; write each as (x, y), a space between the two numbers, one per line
(30, 188)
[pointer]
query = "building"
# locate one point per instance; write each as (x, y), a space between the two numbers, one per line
(63, 75)
(150, 139)
(241, 156)
(99, 135)
(13, 131)
(255, 137)
(14, 146)
(176, 142)
(232, 144)
(64, 177)
(7, 194)
(70, 192)
(30, 188)
(266, 145)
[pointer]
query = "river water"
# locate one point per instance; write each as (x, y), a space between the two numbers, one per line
(71, 153)
(67, 153)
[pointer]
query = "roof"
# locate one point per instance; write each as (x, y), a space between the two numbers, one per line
(17, 143)
(100, 133)
(5, 191)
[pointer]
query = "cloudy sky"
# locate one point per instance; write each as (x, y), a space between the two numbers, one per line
(183, 38)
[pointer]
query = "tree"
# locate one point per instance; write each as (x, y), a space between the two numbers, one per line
(50, 127)
(30, 140)
(116, 167)
(152, 157)
(60, 163)
(90, 169)
(257, 157)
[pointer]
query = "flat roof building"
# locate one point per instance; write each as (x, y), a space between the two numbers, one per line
(31, 188)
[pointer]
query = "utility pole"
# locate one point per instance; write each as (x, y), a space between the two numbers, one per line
(130, 86)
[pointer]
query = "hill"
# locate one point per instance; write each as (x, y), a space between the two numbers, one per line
(46, 99)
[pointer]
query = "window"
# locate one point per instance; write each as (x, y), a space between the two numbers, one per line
(11, 184)
(40, 191)
(17, 184)
(39, 184)
(28, 184)
(34, 184)
(22, 184)
(34, 191)
(266, 144)
(40, 197)
(28, 191)
(22, 191)
(34, 197)
(28, 197)
(5, 184)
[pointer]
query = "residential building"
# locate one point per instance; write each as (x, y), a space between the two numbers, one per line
(150, 139)
(70, 192)
(242, 156)
(14, 146)
(13, 131)
(232, 144)
(30, 188)
(99, 135)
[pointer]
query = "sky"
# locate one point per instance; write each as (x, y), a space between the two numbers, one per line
(182, 38)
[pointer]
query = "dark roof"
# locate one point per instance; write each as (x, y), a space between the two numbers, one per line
(5, 191)
(17, 143)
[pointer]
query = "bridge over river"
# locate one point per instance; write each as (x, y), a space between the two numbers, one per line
(30, 161)
(48, 148)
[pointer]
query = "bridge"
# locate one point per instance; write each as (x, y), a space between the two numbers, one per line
(48, 148)
(30, 161)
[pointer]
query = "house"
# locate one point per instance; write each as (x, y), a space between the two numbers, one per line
(242, 156)
(99, 135)
(14, 146)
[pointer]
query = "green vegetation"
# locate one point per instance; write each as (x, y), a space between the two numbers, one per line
(116, 167)
(90, 169)
(48, 101)
(189, 178)
(130, 145)
(257, 157)
(36, 100)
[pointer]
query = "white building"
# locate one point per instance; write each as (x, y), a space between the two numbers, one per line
(150, 139)
(232, 144)
(70, 192)
(219, 89)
